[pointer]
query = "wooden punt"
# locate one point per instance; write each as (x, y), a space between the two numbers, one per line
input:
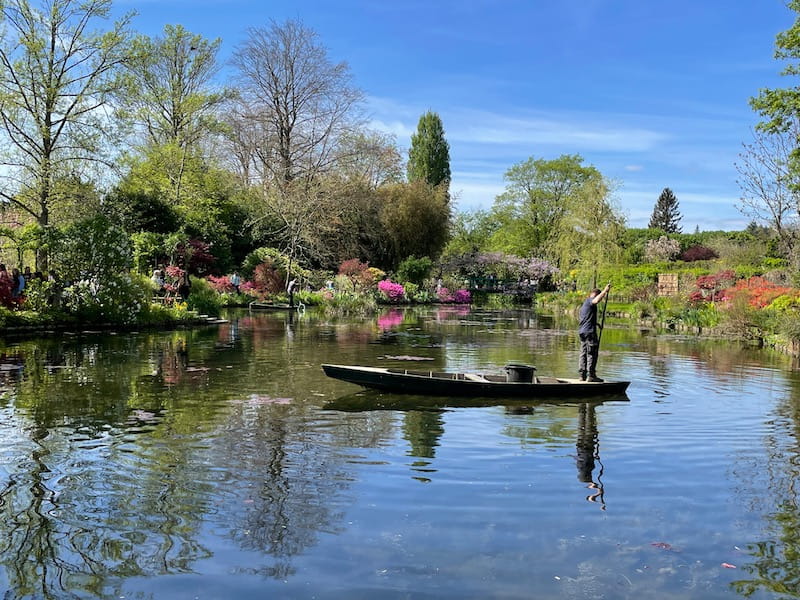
(437, 383)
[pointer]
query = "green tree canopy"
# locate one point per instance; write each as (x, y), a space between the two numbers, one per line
(591, 232)
(429, 154)
(666, 216)
(538, 194)
(415, 217)
(57, 71)
(780, 107)
(169, 92)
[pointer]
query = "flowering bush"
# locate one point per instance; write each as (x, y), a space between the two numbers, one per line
(662, 249)
(444, 295)
(709, 287)
(459, 296)
(267, 278)
(393, 292)
(221, 285)
(248, 288)
(119, 299)
(462, 297)
(756, 291)
(357, 272)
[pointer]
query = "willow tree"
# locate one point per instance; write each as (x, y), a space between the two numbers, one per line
(590, 232)
(57, 72)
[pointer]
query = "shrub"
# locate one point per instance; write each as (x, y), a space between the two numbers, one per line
(267, 278)
(39, 295)
(662, 249)
(274, 257)
(358, 273)
(119, 299)
(221, 285)
(695, 253)
(756, 291)
(393, 292)
(462, 297)
(203, 298)
(414, 270)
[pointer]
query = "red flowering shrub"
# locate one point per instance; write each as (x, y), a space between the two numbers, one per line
(267, 278)
(5, 292)
(249, 288)
(757, 291)
(697, 252)
(357, 272)
(709, 287)
(221, 285)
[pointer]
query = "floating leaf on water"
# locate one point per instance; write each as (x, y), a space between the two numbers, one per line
(728, 566)
(661, 545)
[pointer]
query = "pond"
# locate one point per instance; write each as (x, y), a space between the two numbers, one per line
(222, 463)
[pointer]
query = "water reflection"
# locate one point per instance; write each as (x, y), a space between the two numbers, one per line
(224, 456)
(587, 450)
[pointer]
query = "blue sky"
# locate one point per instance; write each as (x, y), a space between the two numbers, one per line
(654, 94)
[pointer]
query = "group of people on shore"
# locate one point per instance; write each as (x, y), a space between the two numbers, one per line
(14, 283)
(182, 287)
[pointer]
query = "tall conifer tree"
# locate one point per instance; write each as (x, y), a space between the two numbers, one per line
(665, 213)
(429, 155)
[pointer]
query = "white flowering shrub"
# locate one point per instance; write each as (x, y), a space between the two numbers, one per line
(119, 299)
(93, 260)
(662, 250)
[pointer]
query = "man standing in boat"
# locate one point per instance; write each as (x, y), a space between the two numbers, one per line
(587, 331)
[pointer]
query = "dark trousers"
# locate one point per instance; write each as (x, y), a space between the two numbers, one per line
(587, 363)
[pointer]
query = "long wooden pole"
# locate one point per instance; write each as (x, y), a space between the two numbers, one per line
(602, 321)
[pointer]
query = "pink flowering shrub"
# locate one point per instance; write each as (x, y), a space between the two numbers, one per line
(462, 297)
(393, 292)
(459, 296)
(221, 285)
(248, 288)
(174, 272)
(444, 295)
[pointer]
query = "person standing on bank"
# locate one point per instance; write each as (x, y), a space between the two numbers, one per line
(290, 290)
(587, 331)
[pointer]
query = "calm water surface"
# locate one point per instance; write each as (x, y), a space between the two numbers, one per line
(222, 463)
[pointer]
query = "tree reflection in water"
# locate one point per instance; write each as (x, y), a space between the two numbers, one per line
(776, 560)
(104, 476)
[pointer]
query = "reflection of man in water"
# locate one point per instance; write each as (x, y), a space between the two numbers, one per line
(586, 451)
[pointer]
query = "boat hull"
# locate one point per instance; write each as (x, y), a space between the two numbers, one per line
(431, 383)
